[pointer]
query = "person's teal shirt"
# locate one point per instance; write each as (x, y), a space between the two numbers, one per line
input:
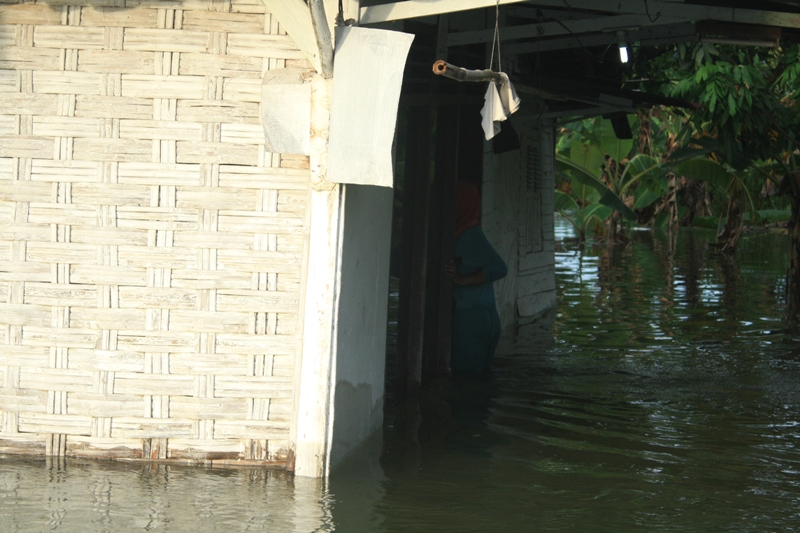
(476, 323)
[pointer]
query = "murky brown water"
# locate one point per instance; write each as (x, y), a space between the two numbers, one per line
(665, 397)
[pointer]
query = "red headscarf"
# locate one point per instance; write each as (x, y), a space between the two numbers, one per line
(468, 207)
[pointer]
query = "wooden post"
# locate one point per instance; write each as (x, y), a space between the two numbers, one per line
(414, 248)
(447, 142)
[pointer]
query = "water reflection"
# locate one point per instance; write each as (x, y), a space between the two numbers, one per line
(662, 395)
(97, 496)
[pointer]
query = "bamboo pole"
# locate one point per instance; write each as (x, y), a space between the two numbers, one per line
(322, 32)
(443, 68)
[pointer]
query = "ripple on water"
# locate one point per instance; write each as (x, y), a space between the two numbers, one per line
(664, 396)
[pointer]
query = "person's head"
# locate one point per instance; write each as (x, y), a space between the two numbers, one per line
(468, 206)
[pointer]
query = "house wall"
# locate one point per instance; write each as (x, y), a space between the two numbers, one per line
(151, 250)
(517, 206)
(361, 317)
(536, 278)
(500, 204)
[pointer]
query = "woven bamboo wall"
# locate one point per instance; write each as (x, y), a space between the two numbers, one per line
(150, 249)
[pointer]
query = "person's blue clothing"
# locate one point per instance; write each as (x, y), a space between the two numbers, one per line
(476, 323)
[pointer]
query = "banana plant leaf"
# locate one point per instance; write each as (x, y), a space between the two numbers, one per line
(706, 170)
(598, 211)
(647, 170)
(588, 156)
(698, 148)
(584, 177)
(705, 222)
(646, 196)
(775, 215)
(565, 202)
(618, 149)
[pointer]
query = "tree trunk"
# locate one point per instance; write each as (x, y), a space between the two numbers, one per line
(728, 238)
(645, 133)
(793, 274)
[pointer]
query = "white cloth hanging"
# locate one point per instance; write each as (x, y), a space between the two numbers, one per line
(498, 103)
(492, 112)
(508, 95)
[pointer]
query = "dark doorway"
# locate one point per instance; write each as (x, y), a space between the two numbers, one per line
(439, 141)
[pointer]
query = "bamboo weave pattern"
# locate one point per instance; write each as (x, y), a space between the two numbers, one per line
(150, 248)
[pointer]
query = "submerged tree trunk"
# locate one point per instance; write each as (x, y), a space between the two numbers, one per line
(793, 274)
(694, 197)
(728, 238)
(790, 187)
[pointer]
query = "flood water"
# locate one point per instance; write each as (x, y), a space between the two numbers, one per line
(664, 395)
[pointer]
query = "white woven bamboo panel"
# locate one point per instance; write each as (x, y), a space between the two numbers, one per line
(65, 126)
(156, 86)
(219, 65)
(242, 90)
(113, 107)
(28, 104)
(248, 6)
(223, 112)
(242, 133)
(27, 14)
(223, 22)
(112, 150)
(116, 62)
(70, 171)
(267, 46)
(150, 248)
(158, 40)
(127, 18)
(68, 37)
(8, 124)
(8, 36)
(67, 82)
(25, 58)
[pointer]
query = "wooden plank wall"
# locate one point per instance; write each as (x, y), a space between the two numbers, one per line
(150, 249)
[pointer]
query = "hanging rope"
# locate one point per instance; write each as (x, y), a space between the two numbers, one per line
(496, 40)
(340, 21)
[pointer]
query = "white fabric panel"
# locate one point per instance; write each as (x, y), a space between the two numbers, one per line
(367, 76)
(286, 110)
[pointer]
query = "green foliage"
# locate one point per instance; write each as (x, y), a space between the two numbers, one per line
(745, 96)
(739, 137)
(705, 170)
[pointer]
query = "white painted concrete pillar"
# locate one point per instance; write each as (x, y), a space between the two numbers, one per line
(312, 392)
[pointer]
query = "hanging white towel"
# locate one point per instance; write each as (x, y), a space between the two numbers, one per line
(499, 102)
(508, 95)
(492, 112)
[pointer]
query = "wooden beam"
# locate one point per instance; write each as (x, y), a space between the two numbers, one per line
(553, 29)
(422, 8)
(679, 9)
(652, 36)
(295, 17)
(675, 8)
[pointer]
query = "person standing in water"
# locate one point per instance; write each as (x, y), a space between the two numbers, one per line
(476, 265)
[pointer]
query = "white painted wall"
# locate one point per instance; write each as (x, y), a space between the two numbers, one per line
(536, 279)
(361, 317)
(500, 223)
(511, 227)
